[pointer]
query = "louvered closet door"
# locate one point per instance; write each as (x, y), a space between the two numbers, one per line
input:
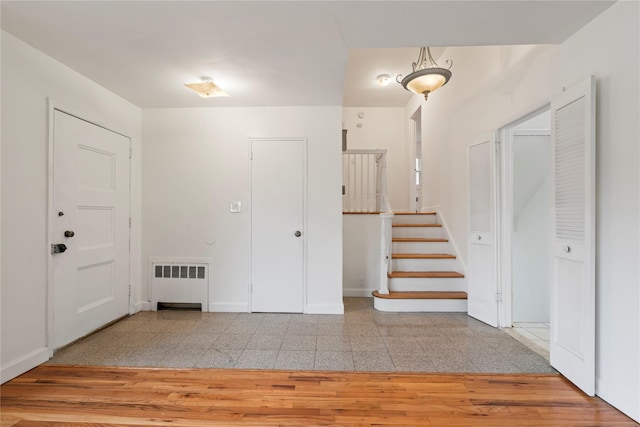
(482, 267)
(572, 345)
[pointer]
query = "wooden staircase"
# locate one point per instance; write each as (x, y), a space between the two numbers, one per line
(424, 276)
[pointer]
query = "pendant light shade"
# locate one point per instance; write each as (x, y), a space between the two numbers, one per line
(425, 78)
(207, 88)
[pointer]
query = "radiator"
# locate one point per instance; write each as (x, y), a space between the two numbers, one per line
(180, 280)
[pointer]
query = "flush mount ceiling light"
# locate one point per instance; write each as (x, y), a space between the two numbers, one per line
(383, 80)
(425, 78)
(206, 88)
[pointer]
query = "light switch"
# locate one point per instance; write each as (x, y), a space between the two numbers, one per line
(235, 207)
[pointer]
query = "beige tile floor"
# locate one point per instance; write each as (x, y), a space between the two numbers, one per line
(362, 339)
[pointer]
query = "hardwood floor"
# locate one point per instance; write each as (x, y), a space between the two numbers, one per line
(92, 396)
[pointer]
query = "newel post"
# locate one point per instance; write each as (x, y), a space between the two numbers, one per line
(386, 220)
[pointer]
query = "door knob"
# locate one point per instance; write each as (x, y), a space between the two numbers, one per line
(69, 233)
(58, 248)
(298, 233)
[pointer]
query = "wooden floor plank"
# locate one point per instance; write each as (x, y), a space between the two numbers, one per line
(101, 396)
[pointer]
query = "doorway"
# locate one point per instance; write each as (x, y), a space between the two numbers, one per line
(278, 171)
(89, 232)
(416, 161)
(527, 226)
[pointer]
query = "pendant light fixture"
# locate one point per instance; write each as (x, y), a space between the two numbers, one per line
(206, 88)
(425, 78)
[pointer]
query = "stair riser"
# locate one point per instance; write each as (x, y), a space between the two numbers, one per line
(422, 232)
(421, 247)
(414, 219)
(420, 305)
(403, 284)
(425, 265)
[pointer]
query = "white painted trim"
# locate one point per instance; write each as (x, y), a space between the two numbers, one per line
(355, 292)
(142, 306)
(23, 363)
(229, 307)
(623, 398)
(447, 235)
(324, 309)
(420, 305)
(305, 214)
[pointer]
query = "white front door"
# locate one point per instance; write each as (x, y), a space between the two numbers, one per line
(277, 224)
(572, 345)
(482, 268)
(90, 278)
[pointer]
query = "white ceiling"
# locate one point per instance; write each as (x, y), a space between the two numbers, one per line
(274, 52)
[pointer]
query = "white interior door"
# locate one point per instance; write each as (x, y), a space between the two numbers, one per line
(277, 225)
(572, 345)
(482, 260)
(90, 279)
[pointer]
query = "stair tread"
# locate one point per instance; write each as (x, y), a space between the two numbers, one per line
(423, 256)
(425, 274)
(414, 213)
(422, 295)
(416, 225)
(419, 239)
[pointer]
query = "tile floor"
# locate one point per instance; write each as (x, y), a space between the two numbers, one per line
(362, 339)
(533, 335)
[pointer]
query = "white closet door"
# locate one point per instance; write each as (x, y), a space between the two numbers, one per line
(572, 345)
(482, 267)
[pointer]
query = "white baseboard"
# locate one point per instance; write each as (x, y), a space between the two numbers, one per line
(142, 306)
(626, 401)
(355, 292)
(23, 363)
(420, 305)
(233, 307)
(324, 309)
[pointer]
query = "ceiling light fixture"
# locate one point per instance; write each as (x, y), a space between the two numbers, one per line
(206, 89)
(383, 80)
(425, 78)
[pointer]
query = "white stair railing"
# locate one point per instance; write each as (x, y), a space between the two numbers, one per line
(364, 179)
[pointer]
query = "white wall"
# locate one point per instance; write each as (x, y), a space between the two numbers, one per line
(361, 256)
(384, 128)
(196, 162)
(28, 78)
(491, 87)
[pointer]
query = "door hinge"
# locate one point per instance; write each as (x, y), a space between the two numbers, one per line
(499, 297)
(129, 222)
(129, 290)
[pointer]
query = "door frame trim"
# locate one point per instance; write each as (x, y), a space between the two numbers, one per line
(52, 107)
(305, 213)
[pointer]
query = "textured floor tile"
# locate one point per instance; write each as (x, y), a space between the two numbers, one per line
(243, 327)
(265, 342)
(77, 354)
(362, 329)
(304, 318)
(214, 358)
(435, 342)
(166, 341)
(146, 356)
(295, 360)
(387, 319)
(154, 326)
(134, 339)
(180, 315)
(302, 329)
(402, 345)
(103, 338)
(270, 328)
(453, 362)
(412, 362)
(333, 343)
(373, 361)
(331, 318)
(182, 326)
(277, 318)
(199, 340)
(334, 361)
(231, 342)
(367, 343)
(533, 363)
(184, 358)
(332, 329)
(401, 330)
(127, 325)
(299, 342)
(497, 366)
(257, 359)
